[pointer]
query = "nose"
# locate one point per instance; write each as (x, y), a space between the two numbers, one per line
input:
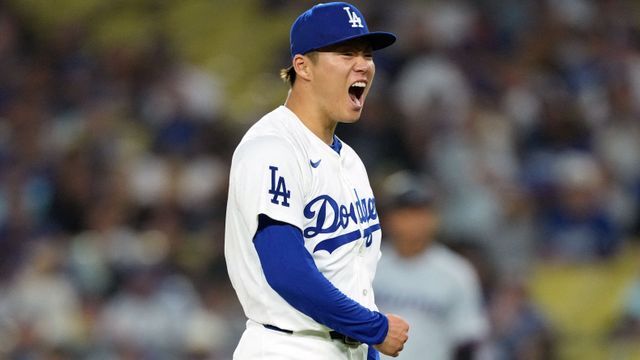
(363, 63)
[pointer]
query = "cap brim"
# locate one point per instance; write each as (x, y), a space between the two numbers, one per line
(377, 39)
(380, 39)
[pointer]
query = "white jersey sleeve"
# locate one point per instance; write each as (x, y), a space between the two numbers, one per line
(268, 180)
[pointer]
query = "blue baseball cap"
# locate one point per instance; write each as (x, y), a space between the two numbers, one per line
(332, 23)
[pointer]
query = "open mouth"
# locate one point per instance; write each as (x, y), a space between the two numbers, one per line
(356, 90)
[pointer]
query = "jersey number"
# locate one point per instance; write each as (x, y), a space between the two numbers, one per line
(278, 188)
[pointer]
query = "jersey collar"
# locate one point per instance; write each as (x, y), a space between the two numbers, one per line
(334, 148)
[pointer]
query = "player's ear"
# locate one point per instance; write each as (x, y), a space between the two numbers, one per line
(302, 66)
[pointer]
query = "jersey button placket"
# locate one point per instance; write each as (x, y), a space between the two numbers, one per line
(350, 188)
(361, 249)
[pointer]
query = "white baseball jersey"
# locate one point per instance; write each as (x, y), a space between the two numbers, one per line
(438, 293)
(281, 169)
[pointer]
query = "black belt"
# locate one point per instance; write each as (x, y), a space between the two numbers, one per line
(333, 334)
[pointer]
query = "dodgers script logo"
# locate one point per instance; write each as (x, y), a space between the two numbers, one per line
(354, 19)
(331, 217)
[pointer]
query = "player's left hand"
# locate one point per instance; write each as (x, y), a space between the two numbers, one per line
(397, 335)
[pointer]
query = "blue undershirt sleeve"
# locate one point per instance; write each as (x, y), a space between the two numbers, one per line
(292, 273)
(372, 354)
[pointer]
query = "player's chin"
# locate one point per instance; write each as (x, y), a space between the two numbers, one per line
(352, 115)
(350, 119)
(353, 110)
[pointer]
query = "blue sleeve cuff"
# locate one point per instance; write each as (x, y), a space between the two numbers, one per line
(292, 273)
(372, 353)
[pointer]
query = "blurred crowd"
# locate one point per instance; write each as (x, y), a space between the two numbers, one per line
(524, 115)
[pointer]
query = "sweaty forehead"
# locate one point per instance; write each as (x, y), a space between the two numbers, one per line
(349, 45)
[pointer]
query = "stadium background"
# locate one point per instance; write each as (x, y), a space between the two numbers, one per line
(118, 119)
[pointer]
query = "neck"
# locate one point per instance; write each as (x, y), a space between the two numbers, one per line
(312, 117)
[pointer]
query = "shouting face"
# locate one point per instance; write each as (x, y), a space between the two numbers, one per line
(342, 76)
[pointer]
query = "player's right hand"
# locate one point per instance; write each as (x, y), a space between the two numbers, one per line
(397, 335)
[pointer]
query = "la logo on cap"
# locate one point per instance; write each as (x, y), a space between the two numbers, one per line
(354, 19)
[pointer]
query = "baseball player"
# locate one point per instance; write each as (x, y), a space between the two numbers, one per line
(302, 236)
(425, 282)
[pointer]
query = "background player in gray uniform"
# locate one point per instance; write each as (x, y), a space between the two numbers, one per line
(302, 233)
(425, 282)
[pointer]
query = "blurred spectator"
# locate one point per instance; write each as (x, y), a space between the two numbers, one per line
(72, 192)
(153, 314)
(511, 247)
(625, 334)
(42, 305)
(436, 290)
(578, 225)
(628, 326)
(518, 328)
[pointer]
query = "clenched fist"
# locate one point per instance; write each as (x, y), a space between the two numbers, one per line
(396, 336)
